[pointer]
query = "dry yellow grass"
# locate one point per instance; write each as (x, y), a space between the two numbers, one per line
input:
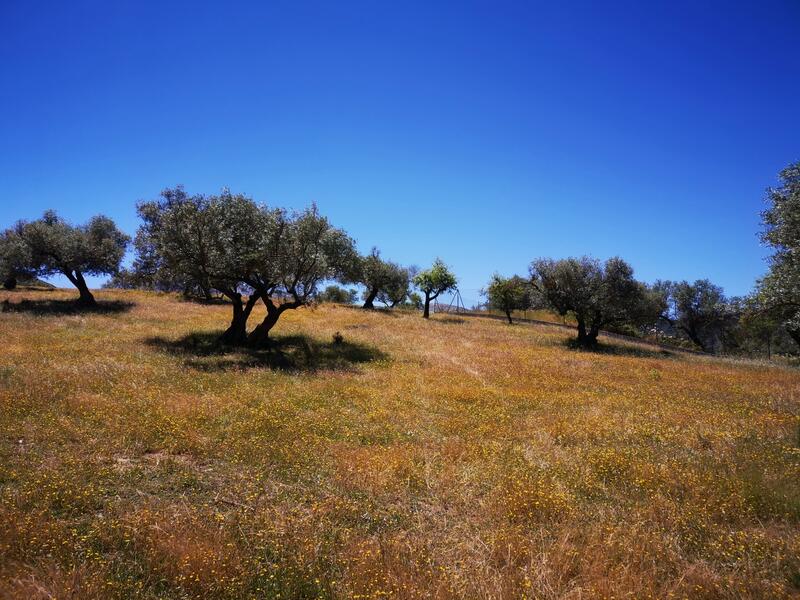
(450, 458)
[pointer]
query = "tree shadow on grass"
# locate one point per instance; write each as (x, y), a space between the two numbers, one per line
(213, 301)
(65, 307)
(620, 350)
(376, 310)
(204, 352)
(451, 320)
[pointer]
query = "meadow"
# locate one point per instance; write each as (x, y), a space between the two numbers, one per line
(450, 458)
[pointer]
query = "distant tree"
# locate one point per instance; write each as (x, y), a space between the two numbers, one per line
(779, 291)
(398, 286)
(414, 300)
(700, 311)
(598, 295)
(384, 280)
(124, 279)
(338, 295)
(50, 246)
(761, 331)
(15, 258)
(433, 282)
(297, 253)
(508, 294)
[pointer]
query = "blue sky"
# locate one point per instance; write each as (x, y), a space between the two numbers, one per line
(487, 133)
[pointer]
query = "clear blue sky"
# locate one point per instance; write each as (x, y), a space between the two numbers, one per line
(487, 133)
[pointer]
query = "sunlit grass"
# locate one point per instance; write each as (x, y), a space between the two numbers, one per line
(455, 457)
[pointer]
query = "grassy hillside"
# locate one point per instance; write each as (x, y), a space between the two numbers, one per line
(450, 458)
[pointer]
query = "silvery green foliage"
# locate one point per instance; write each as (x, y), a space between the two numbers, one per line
(383, 280)
(210, 242)
(297, 252)
(54, 246)
(15, 256)
(397, 285)
(599, 295)
(780, 289)
(508, 294)
(700, 311)
(338, 295)
(229, 242)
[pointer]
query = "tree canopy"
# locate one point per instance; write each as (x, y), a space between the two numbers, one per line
(433, 282)
(699, 310)
(779, 290)
(296, 253)
(383, 280)
(337, 294)
(398, 286)
(15, 258)
(508, 294)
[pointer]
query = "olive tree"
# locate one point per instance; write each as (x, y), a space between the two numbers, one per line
(337, 295)
(761, 330)
(700, 311)
(206, 242)
(433, 282)
(296, 252)
(508, 294)
(598, 295)
(243, 250)
(398, 288)
(779, 290)
(52, 246)
(383, 280)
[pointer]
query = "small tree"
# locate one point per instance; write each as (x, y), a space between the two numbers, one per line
(337, 295)
(414, 301)
(398, 287)
(50, 246)
(761, 330)
(233, 245)
(15, 259)
(700, 311)
(598, 295)
(433, 282)
(385, 281)
(508, 294)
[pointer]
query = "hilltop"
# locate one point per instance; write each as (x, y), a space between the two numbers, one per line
(454, 457)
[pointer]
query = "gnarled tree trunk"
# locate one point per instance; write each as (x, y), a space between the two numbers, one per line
(236, 334)
(370, 299)
(260, 335)
(508, 316)
(587, 339)
(76, 278)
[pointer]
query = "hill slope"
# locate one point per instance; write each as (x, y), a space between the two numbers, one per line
(450, 458)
